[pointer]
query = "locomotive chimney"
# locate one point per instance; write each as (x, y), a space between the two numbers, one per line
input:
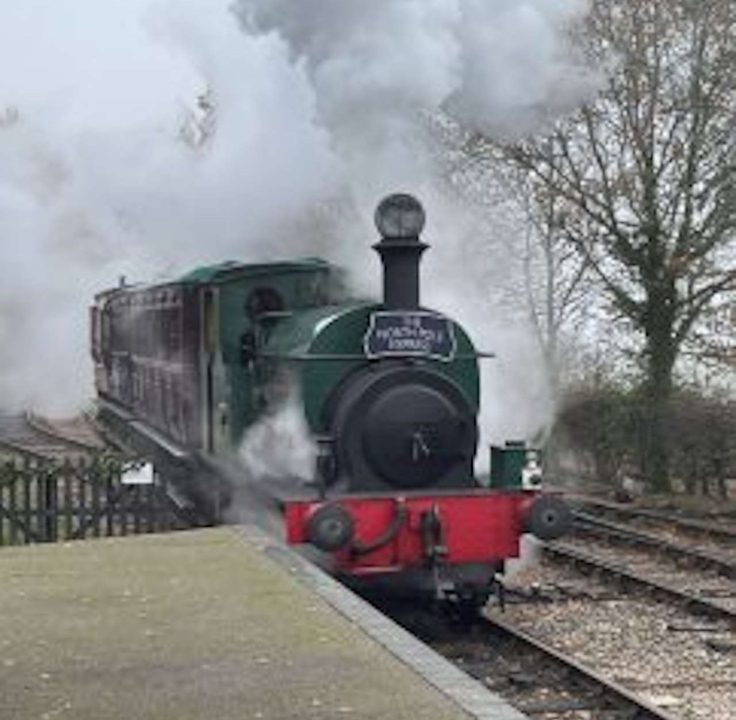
(400, 220)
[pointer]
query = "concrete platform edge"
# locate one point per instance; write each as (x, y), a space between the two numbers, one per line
(469, 694)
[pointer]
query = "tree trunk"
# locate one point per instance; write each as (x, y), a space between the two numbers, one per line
(690, 462)
(661, 354)
(719, 471)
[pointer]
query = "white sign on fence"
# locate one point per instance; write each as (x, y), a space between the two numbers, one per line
(143, 475)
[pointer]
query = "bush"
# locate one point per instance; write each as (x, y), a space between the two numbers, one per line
(603, 429)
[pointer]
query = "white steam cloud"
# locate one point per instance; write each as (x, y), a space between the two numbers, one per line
(377, 70)
(280, 445)
(96, 179)
(140, 136)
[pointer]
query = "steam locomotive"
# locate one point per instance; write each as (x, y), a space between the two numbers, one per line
(389, 392)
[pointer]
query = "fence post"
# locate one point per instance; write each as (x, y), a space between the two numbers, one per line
(12, 470)
(28, 465)
(81, 531)
(3, 504)
(93, 477)
(51, 506)
(67, 473)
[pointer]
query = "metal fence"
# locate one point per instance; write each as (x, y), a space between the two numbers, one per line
(76, 499)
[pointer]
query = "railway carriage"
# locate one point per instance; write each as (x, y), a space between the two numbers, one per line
(390, 395)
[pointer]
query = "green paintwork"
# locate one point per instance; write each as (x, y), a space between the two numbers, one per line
(231, 270)
(236, 384)
(317, 343)
(325, 344)
(507, 463)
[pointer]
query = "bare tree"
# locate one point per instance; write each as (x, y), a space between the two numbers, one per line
(644, 177)
(555, 276)
(549, 289)
(712, 344)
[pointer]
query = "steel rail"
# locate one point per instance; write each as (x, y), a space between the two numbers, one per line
(620, 573)
(688, 524)
(594, 525)
(637, 707)
(479, 651)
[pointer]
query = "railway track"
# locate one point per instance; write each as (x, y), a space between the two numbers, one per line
(615, 622)
(590, 637)
(685, 555)
(715, 529)
(539, 680)
(636, 618)
(694, 596)
(585, 689)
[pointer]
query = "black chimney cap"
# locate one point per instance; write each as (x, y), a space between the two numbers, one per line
(400, 217)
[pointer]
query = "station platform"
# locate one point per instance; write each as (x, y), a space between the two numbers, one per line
(221, 624)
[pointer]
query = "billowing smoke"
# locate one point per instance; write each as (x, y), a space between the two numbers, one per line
(378, 71)
(142, 136)
(280, 445)
(530, 554)
(111, 164)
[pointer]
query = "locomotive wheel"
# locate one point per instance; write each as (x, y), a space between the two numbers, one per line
(331, 528)
(550, 518)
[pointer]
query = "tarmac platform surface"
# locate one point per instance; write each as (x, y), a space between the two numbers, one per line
(217, 624)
